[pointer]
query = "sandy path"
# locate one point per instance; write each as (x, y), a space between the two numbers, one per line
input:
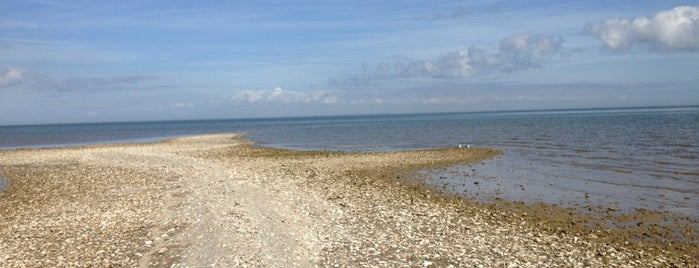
(232, 220)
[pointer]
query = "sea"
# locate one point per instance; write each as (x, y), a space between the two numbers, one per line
(626, 159)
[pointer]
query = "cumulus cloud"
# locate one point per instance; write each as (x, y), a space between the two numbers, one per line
(11, 76)
(516, 53)
(669, 30)
(284, 96)
(524, 51)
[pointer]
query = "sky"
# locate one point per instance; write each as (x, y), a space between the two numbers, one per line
(103, 61)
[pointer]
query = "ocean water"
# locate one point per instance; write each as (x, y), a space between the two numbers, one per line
(621, 158)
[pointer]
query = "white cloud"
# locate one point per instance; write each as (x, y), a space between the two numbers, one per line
(285, 96)
(524, 51)
(11, 76)
(516, 53)
(671, 30)
(443, 100)
(461, 64)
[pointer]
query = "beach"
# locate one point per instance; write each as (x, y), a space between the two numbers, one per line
(218, 200)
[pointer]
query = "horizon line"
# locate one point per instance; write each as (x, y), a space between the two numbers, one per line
(359, 114)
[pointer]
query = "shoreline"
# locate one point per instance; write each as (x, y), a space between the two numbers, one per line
(191, 201)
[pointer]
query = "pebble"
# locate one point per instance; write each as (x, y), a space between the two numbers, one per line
(345, 214)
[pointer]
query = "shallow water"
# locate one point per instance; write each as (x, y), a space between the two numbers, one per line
(4, 184)
(513, 178)
(621, 158)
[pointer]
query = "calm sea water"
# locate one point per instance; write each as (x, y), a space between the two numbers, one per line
(623, 158)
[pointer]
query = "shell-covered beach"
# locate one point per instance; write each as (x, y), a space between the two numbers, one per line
(218, 200)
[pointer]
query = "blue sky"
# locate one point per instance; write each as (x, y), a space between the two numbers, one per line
(94, 61)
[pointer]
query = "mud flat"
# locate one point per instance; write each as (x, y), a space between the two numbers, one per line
(219, 200)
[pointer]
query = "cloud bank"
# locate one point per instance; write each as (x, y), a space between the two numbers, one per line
(669, 30)
(516, 53)
(280, 95)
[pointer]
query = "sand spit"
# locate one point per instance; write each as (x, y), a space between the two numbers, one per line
(217, 200)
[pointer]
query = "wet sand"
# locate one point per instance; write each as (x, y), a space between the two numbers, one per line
(219, 200)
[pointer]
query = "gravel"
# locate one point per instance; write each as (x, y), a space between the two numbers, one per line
(217, 200)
